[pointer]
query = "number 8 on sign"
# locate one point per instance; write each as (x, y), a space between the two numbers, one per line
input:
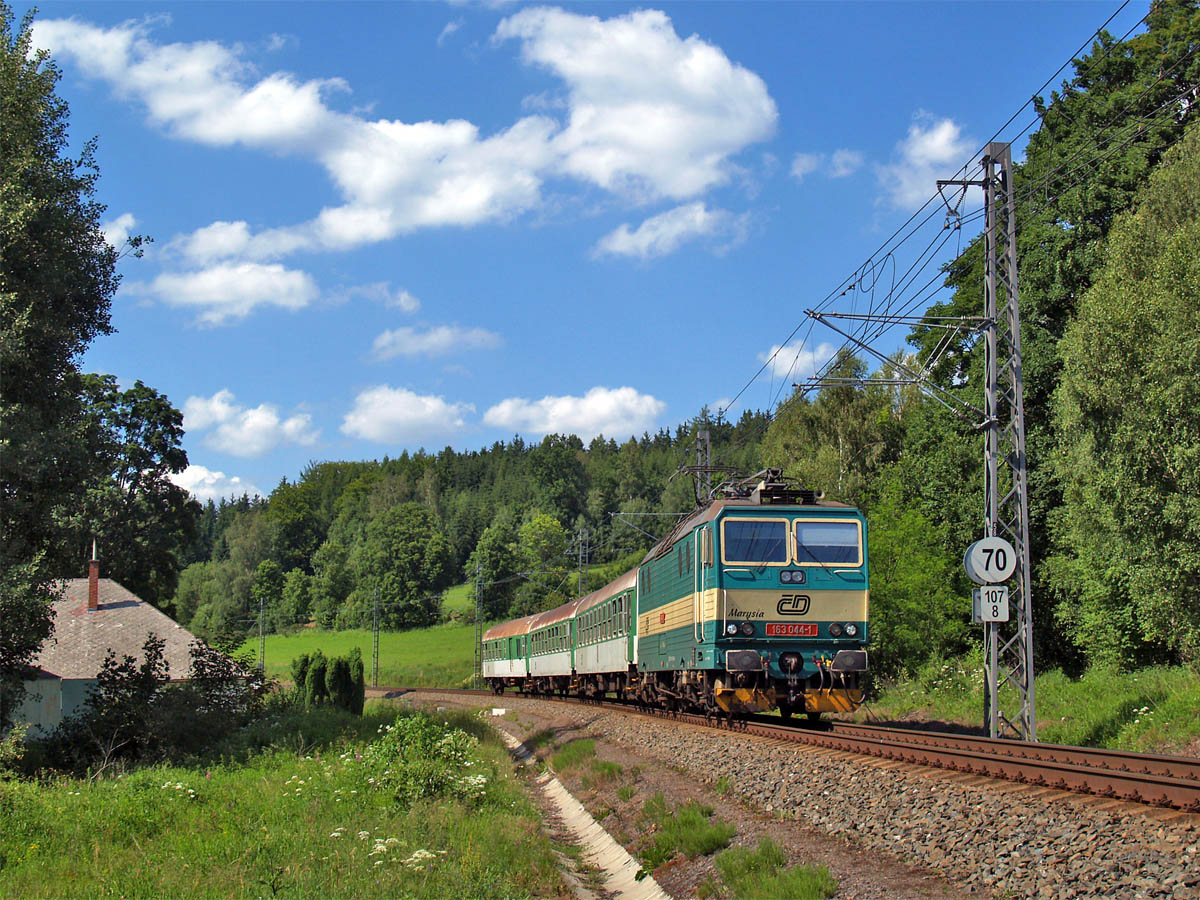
(990, 561)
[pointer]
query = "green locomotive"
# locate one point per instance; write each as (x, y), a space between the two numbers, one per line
(758, 600)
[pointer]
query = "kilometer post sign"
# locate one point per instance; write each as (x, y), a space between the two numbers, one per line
(988, 562)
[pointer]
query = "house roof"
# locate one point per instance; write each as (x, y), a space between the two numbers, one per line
(122, 623)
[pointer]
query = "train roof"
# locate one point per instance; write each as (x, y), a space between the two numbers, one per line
(707, 513)
(510, 628)
(595, 598)
(556, 615)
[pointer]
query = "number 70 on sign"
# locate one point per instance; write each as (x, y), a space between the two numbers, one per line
(989, 604)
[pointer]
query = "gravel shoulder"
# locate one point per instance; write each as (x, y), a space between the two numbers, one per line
(862, 871)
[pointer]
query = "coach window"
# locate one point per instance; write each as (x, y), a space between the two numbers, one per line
(754, 541)
(829, 542)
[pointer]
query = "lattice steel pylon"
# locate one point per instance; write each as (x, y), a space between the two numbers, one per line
(1008, 646)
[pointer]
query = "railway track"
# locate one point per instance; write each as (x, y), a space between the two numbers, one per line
(1165, 781)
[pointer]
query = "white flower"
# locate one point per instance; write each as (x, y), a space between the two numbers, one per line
(363, 835)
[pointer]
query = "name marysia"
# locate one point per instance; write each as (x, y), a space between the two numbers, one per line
(735, 613)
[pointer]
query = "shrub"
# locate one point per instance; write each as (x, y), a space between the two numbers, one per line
(315, 691)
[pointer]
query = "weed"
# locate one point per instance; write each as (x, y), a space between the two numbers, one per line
(723, 785)
(762, 874)
(572, 754)
(625, 792)
(687, 830)
(605, 771)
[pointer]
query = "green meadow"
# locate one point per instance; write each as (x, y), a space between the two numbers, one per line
(317, 804)
(441, 656)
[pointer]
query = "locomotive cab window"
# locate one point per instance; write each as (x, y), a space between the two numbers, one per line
(829, 542)
(755, 542)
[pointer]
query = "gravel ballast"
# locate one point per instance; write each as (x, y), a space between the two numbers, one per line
(997, 838)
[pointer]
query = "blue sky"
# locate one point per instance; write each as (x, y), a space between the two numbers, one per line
(381, 227)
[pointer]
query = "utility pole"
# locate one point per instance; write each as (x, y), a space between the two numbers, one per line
(262, 638)
(375, 642)
(1008, 641)
(704, 467)
(1008, 646)
(583, 551)
(477, 682)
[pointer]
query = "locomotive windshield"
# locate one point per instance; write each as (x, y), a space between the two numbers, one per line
(754, 541)
(828, 543)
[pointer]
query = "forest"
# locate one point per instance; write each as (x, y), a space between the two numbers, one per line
(1110, 305)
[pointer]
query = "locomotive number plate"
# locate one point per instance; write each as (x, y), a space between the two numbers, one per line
(792, 629)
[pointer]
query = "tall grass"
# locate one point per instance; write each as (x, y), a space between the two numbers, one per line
(763, 874)
(441, 656)
(304, 815)
(1151, 709)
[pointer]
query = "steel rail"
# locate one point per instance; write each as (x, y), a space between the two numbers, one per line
(1154, 780)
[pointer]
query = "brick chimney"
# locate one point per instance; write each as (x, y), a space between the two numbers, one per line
(93, 581)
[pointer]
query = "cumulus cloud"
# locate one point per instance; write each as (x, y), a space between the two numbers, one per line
(664, 233)
(934, 148)
(116, 231)
(796, 361)
(615, 412)
(205, 484)
(241, 431)
(437, 341)
(233, 290)
(388, 415)
(669, 134)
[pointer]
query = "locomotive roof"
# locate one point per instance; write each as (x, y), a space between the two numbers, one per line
(707, 513)
(510, 628)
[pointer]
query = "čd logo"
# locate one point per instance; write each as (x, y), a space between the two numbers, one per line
(793, 604)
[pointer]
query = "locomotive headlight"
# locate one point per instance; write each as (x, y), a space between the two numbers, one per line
(851, 629)
(747, 629)
(731, 629)
(835, 630)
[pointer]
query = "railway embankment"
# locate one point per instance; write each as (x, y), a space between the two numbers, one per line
(984, 837)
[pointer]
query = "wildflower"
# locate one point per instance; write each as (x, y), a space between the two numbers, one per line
(363, 835)
(336, 834)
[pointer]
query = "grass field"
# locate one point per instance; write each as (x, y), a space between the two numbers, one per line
(1150, 710)
(306, 805)
(441, 656)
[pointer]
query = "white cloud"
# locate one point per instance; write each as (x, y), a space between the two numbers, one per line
(845, 162)
(840, 164)
(241, 431)
(670, 134)
(933, 149)
(795, 361)
(389, 415)
(451, 27)
(116, 231)
(436, 341)
(650, 114)
(381, 292)
(805, 164)
(614, 412)
(664, 233)
(233, 290)
(205, 484)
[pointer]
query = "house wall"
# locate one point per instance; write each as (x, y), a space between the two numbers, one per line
(50, 700)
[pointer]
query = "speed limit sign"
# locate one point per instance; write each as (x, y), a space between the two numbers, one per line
(990, 560)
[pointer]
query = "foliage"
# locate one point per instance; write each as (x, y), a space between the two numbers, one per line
(1128, 409)
(57, 280)
(916, 612)
(416, 759)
